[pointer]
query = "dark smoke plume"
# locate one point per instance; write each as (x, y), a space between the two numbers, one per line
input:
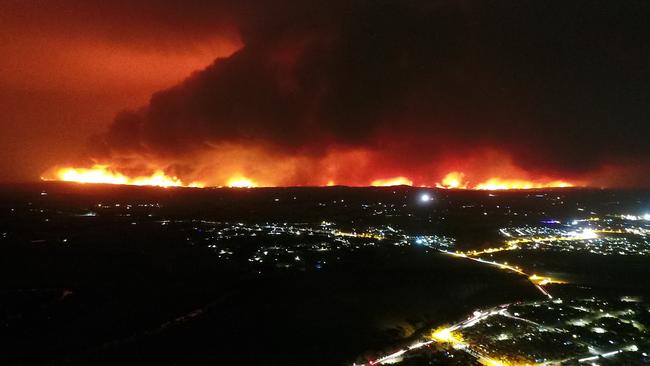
(560, 87)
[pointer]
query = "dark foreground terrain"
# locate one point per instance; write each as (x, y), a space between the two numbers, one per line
(93, 275)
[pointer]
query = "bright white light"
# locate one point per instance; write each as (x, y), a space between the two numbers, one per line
(425, 197)
(585, 234)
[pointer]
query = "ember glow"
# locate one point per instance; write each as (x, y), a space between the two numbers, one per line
(103, 174)
(396, 181)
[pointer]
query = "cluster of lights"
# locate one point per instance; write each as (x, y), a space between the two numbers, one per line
(645, 217)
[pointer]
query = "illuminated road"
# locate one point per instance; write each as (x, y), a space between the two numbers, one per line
(452, 337)
(449, 337)
(537, 281)
(631, 347)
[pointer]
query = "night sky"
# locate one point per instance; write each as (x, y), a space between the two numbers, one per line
(311, 92)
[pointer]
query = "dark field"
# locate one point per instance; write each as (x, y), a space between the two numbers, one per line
(588, 275)
(115, 291)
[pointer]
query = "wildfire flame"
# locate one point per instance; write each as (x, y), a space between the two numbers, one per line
(498, 183)
(239, 181)
(396, 181)
(103, 174)
(456, 180)
(453, 180)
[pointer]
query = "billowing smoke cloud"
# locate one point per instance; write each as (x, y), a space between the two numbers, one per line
(413, 87)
